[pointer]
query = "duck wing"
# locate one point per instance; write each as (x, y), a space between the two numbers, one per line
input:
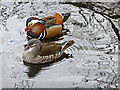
(51, 43)
(50, 22)
(50, 49)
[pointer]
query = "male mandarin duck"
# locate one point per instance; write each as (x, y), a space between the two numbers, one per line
(37, 52)
(46, 27)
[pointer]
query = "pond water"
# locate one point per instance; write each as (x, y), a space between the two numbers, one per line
(90, 63)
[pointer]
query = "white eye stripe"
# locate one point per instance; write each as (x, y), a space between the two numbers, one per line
(31, 24)
(33, 44)
(34, 21)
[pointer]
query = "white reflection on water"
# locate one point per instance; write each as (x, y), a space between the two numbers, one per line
(85, 64)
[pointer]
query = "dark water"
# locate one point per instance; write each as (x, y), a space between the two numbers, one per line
(91, 62)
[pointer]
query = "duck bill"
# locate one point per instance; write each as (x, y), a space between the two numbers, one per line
(27, 29)
(26, 48)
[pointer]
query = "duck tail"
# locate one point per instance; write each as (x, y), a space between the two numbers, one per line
(67, 44)
(66, 16)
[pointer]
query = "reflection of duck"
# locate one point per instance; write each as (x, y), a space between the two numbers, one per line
(34, 69)
(37, 52)
(46, 27)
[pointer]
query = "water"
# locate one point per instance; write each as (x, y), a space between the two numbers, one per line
(91, 62)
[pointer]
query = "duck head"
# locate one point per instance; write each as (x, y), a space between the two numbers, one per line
(34, 43)
(35, 25)
(32, 48)
(30, 19)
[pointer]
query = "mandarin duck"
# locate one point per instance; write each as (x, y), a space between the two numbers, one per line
(46, 27)
(37, 52)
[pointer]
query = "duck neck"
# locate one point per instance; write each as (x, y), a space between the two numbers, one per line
(34, 51)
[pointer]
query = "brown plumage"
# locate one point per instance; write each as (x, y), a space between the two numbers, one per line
(46, 27)
(37, 52)
(49, 48)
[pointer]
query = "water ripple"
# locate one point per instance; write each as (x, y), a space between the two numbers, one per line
(82, 64)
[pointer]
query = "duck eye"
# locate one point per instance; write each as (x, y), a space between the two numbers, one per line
(32, 45)
(32, 24)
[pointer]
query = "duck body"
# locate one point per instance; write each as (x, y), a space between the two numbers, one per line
(45, 27)
(37, 52)
(48, 32)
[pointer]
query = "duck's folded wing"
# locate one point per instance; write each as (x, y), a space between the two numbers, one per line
(50, 49)
(47, 44)
(50, 22)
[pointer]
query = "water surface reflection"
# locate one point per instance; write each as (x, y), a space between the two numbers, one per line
(91, 62)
